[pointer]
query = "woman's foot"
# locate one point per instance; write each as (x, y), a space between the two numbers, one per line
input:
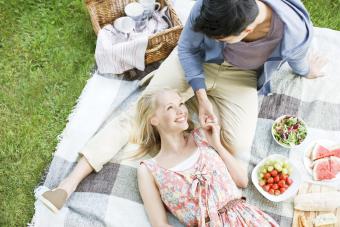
(54, 199)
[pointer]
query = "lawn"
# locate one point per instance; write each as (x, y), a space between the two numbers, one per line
(46, 55)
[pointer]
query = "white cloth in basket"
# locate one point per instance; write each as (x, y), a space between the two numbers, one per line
(116, 53)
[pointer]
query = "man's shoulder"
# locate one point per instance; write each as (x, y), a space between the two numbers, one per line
(286, 8)
(298, 27)
(196, 9)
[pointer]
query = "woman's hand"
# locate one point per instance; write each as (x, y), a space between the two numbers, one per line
(212, 132)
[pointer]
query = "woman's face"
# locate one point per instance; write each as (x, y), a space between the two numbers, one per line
(171, 114)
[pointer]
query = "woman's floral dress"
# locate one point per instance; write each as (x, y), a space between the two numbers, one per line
(205, 194)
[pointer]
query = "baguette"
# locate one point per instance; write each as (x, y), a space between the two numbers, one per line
(321, 201)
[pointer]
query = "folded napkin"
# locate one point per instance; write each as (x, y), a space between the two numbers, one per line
(116, 53)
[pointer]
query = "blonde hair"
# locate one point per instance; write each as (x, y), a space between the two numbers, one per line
(145, 134)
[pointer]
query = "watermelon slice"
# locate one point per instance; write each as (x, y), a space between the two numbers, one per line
(320, 151)
(326, 168)
(322, 169)
(335, 150)
(335, 165)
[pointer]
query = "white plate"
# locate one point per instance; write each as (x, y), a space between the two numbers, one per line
(307, 162)
(292, 189)
(279, 119)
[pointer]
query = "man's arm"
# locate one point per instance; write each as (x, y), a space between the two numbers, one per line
(189, 51)
(189, 54)
(300, 65)
(309, 65)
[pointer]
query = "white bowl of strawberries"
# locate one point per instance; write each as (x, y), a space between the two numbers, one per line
(276, 178)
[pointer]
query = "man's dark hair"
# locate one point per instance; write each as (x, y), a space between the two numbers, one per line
(221, 18)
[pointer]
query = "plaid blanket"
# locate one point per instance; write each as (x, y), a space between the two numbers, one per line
(111, 197)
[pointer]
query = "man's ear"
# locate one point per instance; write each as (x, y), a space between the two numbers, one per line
(154, 121)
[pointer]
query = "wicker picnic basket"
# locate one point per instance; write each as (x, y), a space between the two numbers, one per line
(160, 45)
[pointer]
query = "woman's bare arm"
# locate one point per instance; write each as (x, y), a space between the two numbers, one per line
(236, 170)
(152, 200)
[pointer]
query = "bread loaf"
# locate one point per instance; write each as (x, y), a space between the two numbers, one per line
(321, 201)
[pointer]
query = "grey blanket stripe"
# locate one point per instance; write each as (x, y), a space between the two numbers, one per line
(313, 113)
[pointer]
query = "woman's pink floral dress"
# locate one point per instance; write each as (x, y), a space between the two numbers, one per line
(196, 196)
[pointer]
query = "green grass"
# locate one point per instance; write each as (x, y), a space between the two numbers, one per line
(46, 54)
(324, 13)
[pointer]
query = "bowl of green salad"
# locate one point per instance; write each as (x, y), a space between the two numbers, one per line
(289, 131)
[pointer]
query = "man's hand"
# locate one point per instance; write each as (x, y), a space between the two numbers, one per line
(316, 64)
(205, 109)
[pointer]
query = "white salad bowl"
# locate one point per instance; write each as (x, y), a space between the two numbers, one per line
(284, 145)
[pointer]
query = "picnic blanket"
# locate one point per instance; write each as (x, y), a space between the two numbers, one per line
(111, 197)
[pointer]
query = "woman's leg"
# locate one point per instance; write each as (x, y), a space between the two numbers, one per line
(80, 171)
(56, 198)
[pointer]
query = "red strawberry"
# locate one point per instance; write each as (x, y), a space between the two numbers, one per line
(266, 188)
(277, 192)
(270, 180)
(289, 181)
(276, 179)
(274, 173)
(281, 183)
(283, 177)
(266, 176)
(275, 186)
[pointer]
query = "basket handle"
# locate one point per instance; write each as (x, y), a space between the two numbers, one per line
(156, 48)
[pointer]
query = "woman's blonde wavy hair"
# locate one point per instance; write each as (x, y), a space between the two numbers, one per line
(144, 133)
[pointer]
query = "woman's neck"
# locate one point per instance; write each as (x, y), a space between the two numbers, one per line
(174, 142)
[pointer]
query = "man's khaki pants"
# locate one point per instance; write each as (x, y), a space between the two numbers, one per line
(232, 92)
